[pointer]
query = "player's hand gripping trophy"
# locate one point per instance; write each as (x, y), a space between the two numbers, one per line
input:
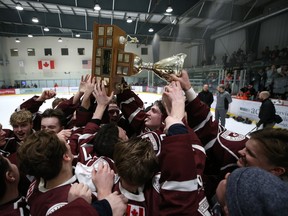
(163, 68)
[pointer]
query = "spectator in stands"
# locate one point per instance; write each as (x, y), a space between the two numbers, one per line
(252, 191)
(260, 80)
(270, 73)
(266, 55)
(228, 78)
(222, 104)
(267, 111)
(281, 82)
(228, 88)
(206, 96)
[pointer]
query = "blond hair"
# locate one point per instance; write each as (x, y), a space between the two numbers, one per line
(20, 117)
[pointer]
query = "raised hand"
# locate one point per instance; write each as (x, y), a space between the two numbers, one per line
(100, 94)
(64, 134)
(83, 83)
(47, 94)
(174, 102)
(183, 80)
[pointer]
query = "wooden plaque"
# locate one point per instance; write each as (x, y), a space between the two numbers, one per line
(110, 62)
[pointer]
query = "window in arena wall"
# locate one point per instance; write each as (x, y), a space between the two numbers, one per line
(48, 52)
(31, 52)
(64, 51)
(81, 51)
(14, 52)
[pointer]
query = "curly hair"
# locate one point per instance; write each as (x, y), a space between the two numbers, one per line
(41, 155)
(20, 117)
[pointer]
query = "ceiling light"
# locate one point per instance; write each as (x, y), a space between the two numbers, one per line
(35, 20)
(17, 40)
(169, 9)
(30, 35)
(77, 35)
(19, 6)
(151, 30)
(59, 40)
(46, 29)
(129, 19)
(97, 7)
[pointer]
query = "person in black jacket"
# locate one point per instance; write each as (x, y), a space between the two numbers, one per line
(206, 96)
(267, 111)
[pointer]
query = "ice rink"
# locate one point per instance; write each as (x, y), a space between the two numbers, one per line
(9, 103)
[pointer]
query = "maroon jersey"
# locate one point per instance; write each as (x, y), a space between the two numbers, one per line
(77, 207)
(44, 201)
(179, 184)
(17, 207)
(221, 145)
(132, 108)
(12, 143)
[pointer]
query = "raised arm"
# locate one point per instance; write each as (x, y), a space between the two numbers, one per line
(181, 161)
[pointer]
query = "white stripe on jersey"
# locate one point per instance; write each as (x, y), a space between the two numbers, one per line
(199, 147)
(203, 123)
(126, 102)
(131, 117)
(190, 185)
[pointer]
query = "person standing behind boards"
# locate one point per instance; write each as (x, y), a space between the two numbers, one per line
(267, 111)
(206, 96)
(222, 104)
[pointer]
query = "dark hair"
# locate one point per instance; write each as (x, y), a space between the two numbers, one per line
(57, 101)
(4, 167)
(41, 155)
(274, 145)
(105, 139)
(57, 113)
(135, 161)
(161, 108)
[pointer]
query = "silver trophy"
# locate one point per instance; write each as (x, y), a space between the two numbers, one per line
(163, 68)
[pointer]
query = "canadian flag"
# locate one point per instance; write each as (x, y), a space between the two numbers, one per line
(46, 64)
(135, 210)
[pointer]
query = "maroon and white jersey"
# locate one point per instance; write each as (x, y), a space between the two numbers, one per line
(17, 207)
(182, 162)
(220, 144)
(131, 107)
(84, 141)
(179, 184)
(44, 201)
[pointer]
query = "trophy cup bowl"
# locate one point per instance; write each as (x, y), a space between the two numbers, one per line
(163, 68)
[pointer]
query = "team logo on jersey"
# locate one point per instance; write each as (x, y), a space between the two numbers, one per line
(203, 207)
(133, 210)
(155, 182)
(55, 208)
(231, 136)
